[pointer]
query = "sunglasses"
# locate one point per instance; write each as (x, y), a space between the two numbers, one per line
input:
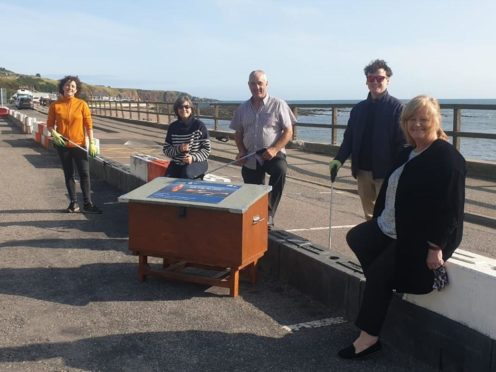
(185, 107)
(377, 79)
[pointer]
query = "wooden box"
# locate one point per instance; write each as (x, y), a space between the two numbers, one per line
(227, 234)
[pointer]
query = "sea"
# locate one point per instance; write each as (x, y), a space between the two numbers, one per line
(481, 121)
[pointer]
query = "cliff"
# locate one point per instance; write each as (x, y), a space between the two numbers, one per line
(12, 81)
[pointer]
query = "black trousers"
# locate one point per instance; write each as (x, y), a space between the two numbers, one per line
(191, 171)
(377, 255)
(70, 156)
(277, 168)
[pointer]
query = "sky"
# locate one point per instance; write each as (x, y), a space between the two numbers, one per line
(310, 50)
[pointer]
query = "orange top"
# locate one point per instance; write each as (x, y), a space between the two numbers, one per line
(72, 116)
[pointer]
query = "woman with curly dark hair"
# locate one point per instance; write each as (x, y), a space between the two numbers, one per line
(69, 121)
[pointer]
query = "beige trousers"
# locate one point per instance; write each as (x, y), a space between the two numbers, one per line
(368, 189)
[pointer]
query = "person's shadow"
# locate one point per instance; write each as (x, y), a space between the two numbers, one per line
(185, 351)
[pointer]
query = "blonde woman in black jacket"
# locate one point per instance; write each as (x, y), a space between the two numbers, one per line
(417, 224)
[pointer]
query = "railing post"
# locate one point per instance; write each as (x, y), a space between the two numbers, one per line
(457, 115)
(295, 112)
(147, 107)
(111, 111)
(139, 110)
(334, 130)
(198, 109)
(130, 110)
(122, 111)
(216, 116)
(169, 106)
(157, 111)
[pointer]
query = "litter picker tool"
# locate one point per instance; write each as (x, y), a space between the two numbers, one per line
(258, 152)
(142, 143)
(334, 173)
(82, 148)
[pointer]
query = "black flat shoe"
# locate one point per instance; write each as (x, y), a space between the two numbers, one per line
(349, 352)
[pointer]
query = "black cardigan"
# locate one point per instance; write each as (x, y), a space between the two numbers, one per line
(429, 206)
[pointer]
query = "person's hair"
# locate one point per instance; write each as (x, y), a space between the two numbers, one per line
(75, 79)
(181, 100)
(433, 110)
(256, 72)
(377, 64)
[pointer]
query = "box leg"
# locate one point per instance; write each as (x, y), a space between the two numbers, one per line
(234, 283)
(253, 272)
(143, 262)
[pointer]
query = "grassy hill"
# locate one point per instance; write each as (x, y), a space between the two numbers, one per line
(12, 81)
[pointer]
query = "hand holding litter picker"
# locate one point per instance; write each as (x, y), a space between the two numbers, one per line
(334, 166)
(92, 148)
(58, 140)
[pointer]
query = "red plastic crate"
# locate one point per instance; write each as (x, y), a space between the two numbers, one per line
(157, 168)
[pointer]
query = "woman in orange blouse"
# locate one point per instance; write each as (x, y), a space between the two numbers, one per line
(69, 121)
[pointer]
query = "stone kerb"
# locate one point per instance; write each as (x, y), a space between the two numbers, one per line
(471, 296)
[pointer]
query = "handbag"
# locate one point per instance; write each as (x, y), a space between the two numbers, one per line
(440, 278)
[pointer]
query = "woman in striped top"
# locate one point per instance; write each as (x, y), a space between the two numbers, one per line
(187, 143)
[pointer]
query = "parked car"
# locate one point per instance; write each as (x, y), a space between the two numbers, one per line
(46, 101)
(24, 101)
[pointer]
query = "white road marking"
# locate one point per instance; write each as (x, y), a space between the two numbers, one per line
(314, 324)
(321, 228)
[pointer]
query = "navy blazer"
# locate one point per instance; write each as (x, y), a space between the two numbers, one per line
(387, 138)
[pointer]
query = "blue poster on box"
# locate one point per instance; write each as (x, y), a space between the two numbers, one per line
(195, 191)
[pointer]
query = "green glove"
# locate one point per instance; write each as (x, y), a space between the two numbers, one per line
(58, 140)
(334, 166)
(92, 148)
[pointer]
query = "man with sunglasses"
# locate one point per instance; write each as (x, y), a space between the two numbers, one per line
(263, 125)
(372, 137)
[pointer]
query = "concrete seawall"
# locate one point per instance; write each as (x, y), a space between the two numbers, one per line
(422, 328)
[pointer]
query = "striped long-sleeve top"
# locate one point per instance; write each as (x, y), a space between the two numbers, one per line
(193, 132)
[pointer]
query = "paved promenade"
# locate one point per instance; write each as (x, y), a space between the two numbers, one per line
(70, 299)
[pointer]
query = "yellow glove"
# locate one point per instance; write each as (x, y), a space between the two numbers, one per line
(58, 140)
(334, 166)
(92, 148)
